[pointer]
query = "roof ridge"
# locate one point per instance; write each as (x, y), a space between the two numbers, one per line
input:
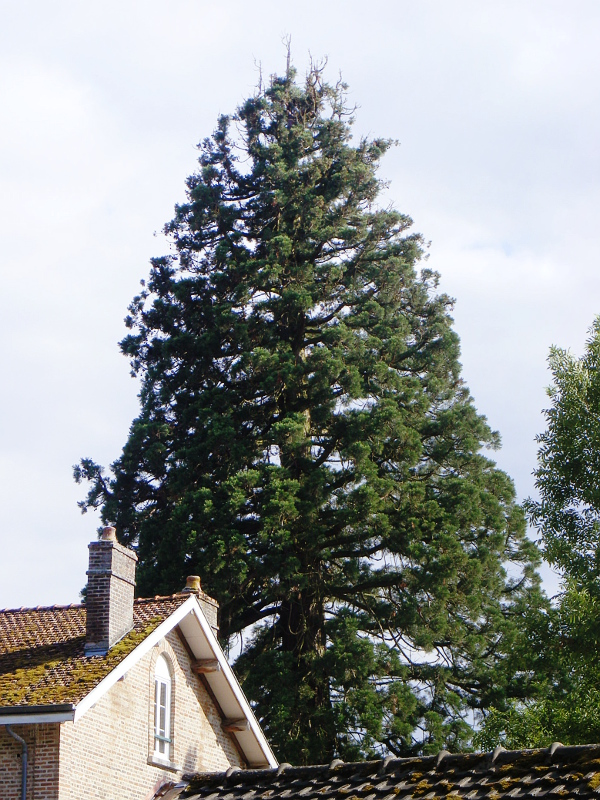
(230, 778)
(159, 597)
(175, 596)
(63, 606)
(243, 775)
(55, 607)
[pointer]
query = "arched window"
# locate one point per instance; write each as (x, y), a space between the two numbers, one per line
(162, 709)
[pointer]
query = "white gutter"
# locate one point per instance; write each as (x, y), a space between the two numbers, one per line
(25, 718)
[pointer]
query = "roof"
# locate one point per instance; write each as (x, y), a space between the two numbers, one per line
(42, 661)
(45, 675)
(564, 773)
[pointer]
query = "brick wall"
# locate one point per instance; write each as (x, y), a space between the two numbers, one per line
(106, 753)
(42, 772)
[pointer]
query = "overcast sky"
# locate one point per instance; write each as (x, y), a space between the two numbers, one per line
(496, 107)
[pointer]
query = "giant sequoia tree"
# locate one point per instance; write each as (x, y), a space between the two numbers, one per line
(306, 444)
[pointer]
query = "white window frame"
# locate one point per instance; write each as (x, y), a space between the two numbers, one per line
(162, 726)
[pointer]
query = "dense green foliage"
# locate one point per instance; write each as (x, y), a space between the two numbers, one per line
(565, 688)
(306, 444)
(567, 515)
(568, 472)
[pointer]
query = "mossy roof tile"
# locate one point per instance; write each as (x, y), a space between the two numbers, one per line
(42, 659)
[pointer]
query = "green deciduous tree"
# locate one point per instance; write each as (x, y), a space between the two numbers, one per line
(567, 516)
(568, 473)
(306, 444)
(564, 703)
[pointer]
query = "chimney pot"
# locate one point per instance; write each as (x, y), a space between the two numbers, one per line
(209, 606)
(192, 584)
(109, 534)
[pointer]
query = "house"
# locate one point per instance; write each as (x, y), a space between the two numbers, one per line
(556, 772)
(120, 696)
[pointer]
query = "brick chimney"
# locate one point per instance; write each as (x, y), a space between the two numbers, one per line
(109, 598)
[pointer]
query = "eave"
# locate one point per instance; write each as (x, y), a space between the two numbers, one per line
(33, 715)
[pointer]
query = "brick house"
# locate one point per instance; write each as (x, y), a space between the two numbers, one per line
(120, 696)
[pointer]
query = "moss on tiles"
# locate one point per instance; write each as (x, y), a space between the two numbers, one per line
(506, 783)
(422, 787)
(594, 782)
(61, 673)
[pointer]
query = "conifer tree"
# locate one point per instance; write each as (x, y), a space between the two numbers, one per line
(306, 444)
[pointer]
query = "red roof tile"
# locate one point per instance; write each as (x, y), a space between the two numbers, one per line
(42, 659)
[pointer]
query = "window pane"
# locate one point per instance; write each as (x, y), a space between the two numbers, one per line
(156, 706)
(162, 693)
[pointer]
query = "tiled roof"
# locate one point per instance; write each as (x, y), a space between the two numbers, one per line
(558, 773)
(41, 651)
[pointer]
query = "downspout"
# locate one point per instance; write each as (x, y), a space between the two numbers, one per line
(23, 744)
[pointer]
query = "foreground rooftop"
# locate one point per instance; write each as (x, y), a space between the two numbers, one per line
(557, 772)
